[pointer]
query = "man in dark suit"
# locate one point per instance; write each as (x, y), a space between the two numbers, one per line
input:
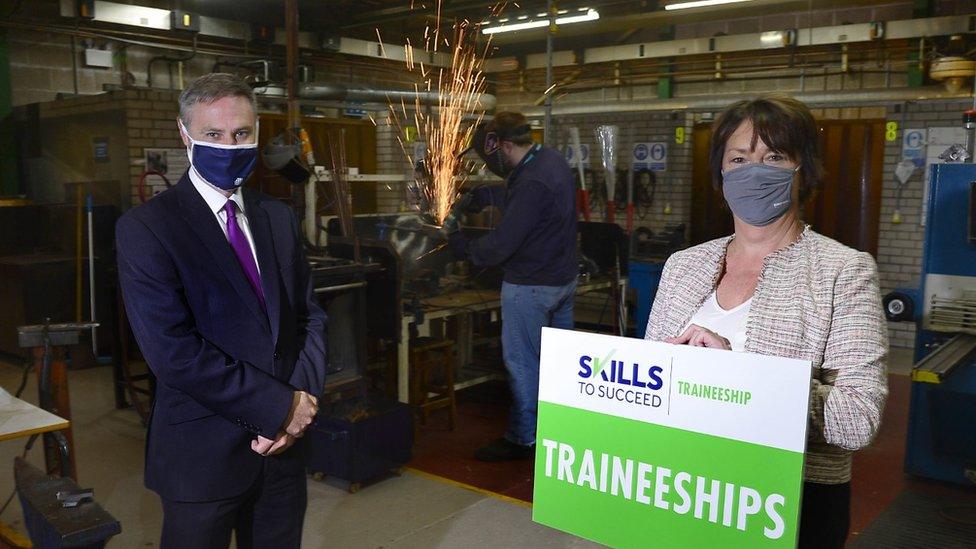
(217, 288)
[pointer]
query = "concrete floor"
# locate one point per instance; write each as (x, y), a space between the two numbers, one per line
(413, 510)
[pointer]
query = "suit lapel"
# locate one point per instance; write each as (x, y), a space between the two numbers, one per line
(260, 225)
(203, 222)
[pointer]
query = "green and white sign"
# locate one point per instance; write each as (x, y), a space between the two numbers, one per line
(644, 444)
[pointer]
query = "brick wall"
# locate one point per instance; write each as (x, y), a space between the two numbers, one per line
(150, 123)
(390, 161)
(41, 67)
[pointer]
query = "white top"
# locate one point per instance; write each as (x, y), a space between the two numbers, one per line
(729, 324)
(216, 200)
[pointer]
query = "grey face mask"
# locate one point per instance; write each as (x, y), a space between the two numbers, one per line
(758, 193)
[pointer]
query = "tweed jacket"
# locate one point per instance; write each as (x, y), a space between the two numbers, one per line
(816, 300)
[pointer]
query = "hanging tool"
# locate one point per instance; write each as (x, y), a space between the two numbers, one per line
(583, 198)
(606, 135)
(630, 200)
(903, 172)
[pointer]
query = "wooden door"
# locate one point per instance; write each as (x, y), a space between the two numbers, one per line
(710, 215)
(847, 205)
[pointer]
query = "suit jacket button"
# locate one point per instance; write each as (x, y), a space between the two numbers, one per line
(276, 355)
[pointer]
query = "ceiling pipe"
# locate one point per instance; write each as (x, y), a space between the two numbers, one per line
(411, 11)
(342, 92)
(717, 102)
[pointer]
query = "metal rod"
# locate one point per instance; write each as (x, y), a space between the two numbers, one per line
(90, 206)
(551, 11)
(339, 288)
(291, 63)
(79, 209)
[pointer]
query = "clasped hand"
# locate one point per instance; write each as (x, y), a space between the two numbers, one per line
(304, 407)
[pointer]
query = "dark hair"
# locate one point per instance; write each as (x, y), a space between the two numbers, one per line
(512, 127)
(784, 124)
(211, 87)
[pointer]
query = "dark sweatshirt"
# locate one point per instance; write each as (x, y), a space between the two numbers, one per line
(535, 241)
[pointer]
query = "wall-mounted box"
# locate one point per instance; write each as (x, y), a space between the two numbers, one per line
(101, 59)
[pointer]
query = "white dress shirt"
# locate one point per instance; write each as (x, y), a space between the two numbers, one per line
(216, 201)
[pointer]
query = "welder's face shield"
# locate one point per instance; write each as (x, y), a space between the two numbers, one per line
(488, 146)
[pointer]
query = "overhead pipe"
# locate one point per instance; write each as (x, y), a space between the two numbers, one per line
(705, 102)
(342, 92)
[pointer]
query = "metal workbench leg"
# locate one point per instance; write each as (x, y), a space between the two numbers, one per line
(465, 341)
(403, 362)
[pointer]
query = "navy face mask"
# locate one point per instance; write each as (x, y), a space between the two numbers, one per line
(759, 193)
(223, 166)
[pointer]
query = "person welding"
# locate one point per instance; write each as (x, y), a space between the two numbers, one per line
(535, 245)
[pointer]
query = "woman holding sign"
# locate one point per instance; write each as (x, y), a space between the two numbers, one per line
(776, 287)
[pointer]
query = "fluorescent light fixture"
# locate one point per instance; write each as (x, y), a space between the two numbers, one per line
(701, 4)
(585, 14)
(589, 15)
(773, 39)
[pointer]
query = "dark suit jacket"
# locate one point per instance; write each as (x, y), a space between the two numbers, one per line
(226, 370)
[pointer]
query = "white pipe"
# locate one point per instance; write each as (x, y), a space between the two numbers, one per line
(91, 275)
(343, 92)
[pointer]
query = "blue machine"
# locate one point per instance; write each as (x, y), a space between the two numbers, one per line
(644, 278)
(942, 423)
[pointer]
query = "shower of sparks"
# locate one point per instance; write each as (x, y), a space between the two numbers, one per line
(446, 129)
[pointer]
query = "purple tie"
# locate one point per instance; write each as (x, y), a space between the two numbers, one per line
(243, 251)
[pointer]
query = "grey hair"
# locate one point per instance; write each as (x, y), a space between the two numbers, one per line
(211, 87)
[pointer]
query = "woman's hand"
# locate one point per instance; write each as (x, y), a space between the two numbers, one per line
(697, 336)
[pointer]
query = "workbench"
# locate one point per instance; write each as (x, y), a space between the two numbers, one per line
(20, 419)
(460, 305)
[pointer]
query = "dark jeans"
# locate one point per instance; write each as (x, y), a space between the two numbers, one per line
(825, 515)
(269, 514)
(525, 311)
